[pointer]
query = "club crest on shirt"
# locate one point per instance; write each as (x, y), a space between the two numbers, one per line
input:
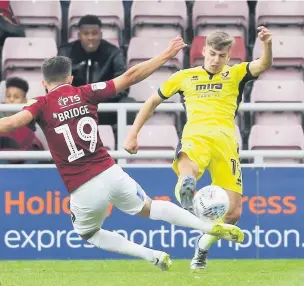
(225, 75)
(30, 102)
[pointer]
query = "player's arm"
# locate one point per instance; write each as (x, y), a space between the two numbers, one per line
(141, 71)
(20, 119)
(31, 110)
(168, 89)
(265, 61)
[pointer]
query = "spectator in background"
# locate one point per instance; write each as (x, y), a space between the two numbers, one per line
(15, 93)
(9, 24)
(16, 90)
(95, 60)
(24, 138)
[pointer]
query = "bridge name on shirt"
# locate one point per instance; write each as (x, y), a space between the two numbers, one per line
(71, 113)
(209, 86)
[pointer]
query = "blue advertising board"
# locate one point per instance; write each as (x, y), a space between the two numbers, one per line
(35, 221)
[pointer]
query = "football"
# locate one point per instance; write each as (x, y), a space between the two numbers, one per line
(211, 203)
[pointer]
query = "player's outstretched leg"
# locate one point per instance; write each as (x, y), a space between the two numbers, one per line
(128, 196)
(167, 211)
(112, 241)
(89, 206)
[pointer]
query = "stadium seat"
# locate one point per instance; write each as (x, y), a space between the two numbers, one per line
(40, 135)
(158, 18)
(141, 49)
(143, 90)
(156, 137)
(35, 89)
(282, 17)
(282, 74)
(111, 14)
(277, 118)
(288, 57)
(23, 57)
(2, 91)
(280, 92)
(230, 16)
(277, 91)
(40, 18)
(106, 135)
(238, 51)
(265, 137)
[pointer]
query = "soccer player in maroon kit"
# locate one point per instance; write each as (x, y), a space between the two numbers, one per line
(68, 117)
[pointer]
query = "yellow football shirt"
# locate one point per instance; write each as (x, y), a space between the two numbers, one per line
(211, 100)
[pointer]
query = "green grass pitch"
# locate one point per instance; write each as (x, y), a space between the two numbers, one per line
(135, 272)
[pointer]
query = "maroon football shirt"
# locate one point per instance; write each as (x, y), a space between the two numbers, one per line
(68, 117)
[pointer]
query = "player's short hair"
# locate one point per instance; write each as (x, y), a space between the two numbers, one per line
(89, 20)
(219, 40)
(56, 69)
(17, 82)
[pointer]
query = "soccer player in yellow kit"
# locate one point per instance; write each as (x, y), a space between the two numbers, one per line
(212, 94)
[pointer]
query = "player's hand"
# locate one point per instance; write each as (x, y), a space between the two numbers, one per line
(175, 46)
(264, 35)
(131, 145)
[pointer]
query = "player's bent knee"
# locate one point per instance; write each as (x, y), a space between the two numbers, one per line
(145, 212)
(88, 235)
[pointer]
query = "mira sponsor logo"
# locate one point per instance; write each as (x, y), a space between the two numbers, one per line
(209, 86)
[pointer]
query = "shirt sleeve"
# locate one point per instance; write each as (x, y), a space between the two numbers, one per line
(171, 86)
(35, 106)
(99, 92)
(243, 73)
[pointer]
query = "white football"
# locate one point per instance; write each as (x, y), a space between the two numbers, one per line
(211, 203)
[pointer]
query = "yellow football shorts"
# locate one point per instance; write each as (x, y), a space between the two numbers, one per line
(218, 153)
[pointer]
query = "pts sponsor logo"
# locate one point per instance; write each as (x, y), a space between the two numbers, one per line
(68, 101)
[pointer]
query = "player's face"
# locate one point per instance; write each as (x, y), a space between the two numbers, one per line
(14, 95)
(215, 60)
(90, 36)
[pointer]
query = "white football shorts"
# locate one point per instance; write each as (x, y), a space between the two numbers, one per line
(89, 202)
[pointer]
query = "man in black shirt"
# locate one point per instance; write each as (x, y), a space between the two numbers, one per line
(95, 60)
